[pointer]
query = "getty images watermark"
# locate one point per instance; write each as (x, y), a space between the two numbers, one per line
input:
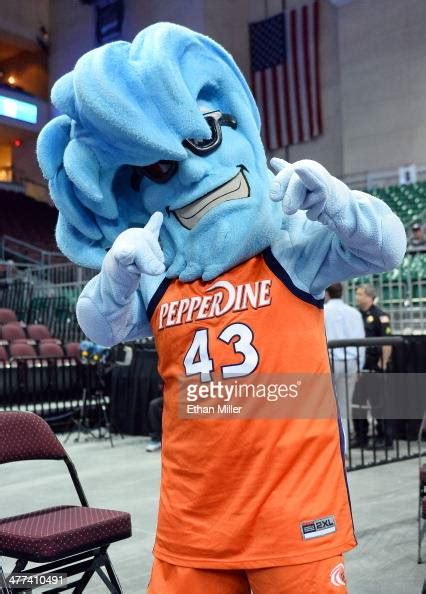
(300, 396)
(258, 396)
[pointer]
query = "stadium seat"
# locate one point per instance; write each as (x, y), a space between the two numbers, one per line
(73, 349)
(22, 349)
(25, 341)
(13, 331)
(3, 354)
(408, 202)
(7, 315)
(57, 535)
(50, 349)
(38, 331)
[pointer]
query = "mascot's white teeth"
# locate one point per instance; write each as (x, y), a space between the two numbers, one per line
(235, 188)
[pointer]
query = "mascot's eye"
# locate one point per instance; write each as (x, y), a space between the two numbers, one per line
(215, 121)
(159, 172)
(162, 171)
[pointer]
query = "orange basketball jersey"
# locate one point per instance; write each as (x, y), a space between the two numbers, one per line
(246, 492)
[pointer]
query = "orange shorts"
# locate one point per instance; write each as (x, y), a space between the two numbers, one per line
(320, 577)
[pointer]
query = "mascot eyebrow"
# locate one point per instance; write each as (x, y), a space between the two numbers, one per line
(126, 106)
(163, 170)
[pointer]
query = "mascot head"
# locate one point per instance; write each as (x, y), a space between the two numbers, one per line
(166, 123)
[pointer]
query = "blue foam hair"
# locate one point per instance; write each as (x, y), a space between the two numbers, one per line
(128, 104)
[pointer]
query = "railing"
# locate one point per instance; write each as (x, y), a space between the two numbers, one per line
(381, 408)
(45, 295)
(29, 252)
(49, 305)
(57, 276)
(16, 295)
(47, 386)
(52, 387)
(11, 270)
(390, 401)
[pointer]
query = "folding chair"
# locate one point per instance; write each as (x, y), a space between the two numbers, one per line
(66, 539)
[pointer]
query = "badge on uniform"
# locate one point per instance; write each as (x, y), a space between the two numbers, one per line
(370, 319)
(316, 528)
(384, 319)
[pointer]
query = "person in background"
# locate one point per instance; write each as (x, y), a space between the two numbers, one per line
(343, 322)
(417, 238)
(155, 415)
(377, 324)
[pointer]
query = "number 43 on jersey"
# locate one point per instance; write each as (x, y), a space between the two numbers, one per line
(197, 360)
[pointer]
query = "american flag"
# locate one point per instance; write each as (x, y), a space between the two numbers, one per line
(285, 75)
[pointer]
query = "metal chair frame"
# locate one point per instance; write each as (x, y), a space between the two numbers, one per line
(86, 562)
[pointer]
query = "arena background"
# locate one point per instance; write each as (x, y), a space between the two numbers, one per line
(372, 67)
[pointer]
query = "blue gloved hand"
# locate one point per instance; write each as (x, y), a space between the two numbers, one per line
(307, 185)
(136, 251)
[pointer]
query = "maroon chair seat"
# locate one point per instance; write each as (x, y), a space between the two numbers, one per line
(13, 331)
(55, 532)
(38, 331)
(423, 474)
(73, 349)
(7, 315)
(50, 349)
(22, 349)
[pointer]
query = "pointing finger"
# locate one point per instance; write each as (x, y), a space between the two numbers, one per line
(154, 224)
(278, 164)
(156, 248)
(311, 173)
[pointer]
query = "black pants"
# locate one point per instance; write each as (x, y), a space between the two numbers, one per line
(155, 413)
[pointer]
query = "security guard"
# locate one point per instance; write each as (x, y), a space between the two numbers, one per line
(377, 324)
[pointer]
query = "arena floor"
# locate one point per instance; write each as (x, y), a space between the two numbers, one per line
(127, 478)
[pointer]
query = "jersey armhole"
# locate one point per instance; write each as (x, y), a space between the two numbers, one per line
(157, 296)
(277, 269)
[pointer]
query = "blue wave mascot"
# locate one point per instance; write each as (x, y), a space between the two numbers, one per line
(158, 171)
